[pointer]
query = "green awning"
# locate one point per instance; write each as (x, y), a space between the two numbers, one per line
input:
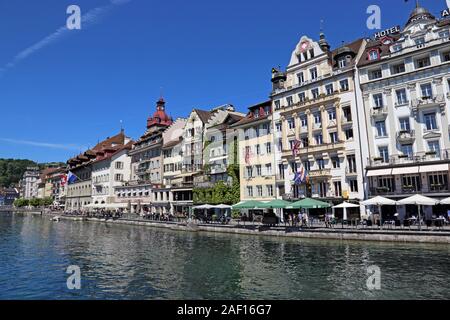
(276, 204)
(252, 204)
(309, 203)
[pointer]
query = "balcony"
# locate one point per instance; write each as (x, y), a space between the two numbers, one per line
(379, 113)
(416, 158)
(317, 126)
(405, 136)
(351, 172)
(346, 119)
(326, 147)
(428, 101)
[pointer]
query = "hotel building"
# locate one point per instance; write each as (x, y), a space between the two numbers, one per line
(405, 79)
(316, 112)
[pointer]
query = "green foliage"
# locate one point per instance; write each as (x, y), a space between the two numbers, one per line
(12, 170)
(47, 202)
(235, 214)
(220, 193)
(20, 203)
(35, 202)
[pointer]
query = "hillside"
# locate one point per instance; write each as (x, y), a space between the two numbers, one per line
(12, 170)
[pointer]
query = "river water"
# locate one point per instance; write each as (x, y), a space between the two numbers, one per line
(133, 262)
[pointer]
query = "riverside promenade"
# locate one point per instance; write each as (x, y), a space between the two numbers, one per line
(404, 235)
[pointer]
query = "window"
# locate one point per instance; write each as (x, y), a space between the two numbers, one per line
(411, 183)
(351, 161)
(319, 139)
(267, 110)
(278, 126)
(349, 134)
(281, 170)
(289, 101)
(259, 190)
(397, 47)
(302, 97)
(305, 142)
(269, 190)
(119, 165)
(307, 165)
(344, 85)
(433, 146)
(342, 62)
(337, 189)
(315, 93)
(444, 34)
(446, 56)
(269, 169)
(404, 125)
(378, 100)
(423, 62)
(419, 41)
(333, 137)
(427, 91)
(250, 192)
(375, 74)
(329, 89)
(258, 170)
(407, 150)
(268, 148)
(322, 189)
(320, 163)
(277, 105)
(438, 181)
(304, 121)
(332, 114)
(430, 121)
(384, 153)
(249, 172)
(313, 73)
(258, 149)
(336, 162)
(311, 53)
(401, 96)
(317, 118)
(118, 177)
(381, 129)
(374, 55)
(398, 68)
(291, 123)
(347, 114)
(300, 77)
(353, 185)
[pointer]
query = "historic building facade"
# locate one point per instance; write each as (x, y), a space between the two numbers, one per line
(256, 152)
(146, 164)
(79, 192)
(315, 123)
(405, 79)
(29, 183)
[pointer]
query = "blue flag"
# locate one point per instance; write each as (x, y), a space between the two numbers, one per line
(71, 178)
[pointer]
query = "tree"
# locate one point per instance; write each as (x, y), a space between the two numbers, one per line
(21, 202)
(35, 202)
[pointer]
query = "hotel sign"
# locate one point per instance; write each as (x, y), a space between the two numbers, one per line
(387, 32)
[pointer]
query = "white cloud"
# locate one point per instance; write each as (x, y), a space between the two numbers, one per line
(44, 144)
(91, 17)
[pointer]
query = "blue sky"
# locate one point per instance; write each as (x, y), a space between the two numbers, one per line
(66, 93)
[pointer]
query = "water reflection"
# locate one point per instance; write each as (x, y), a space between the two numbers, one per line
(131, 262)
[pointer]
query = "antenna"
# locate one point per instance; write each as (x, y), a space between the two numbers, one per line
(121, 126)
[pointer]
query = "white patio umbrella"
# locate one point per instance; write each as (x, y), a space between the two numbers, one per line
(222, 206)
(419, 201)
(204, 207)
(445, 201)
(379, 201)
(344, 206)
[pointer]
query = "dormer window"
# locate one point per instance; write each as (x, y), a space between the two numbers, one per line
(374, 54)
(397, 48)
(256, 113)
(420, 41)
(444, 34)
(342, 62)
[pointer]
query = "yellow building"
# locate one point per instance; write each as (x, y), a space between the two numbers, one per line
(257, 171)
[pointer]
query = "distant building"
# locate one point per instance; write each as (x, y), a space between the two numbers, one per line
(29, 183)
(8, 195)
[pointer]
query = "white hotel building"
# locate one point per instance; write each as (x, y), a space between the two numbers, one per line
(317, 102)
(405, 79)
